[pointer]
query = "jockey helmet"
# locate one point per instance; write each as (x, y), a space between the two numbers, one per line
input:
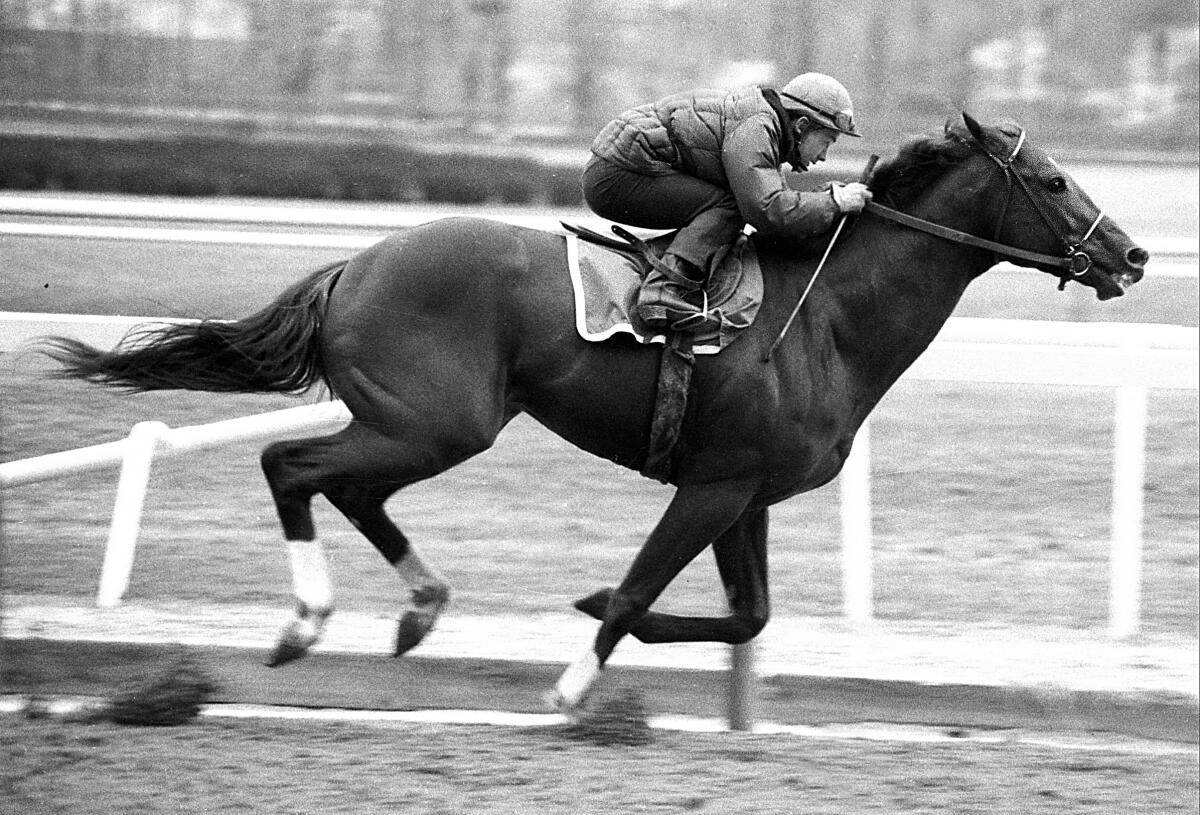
(823, 99)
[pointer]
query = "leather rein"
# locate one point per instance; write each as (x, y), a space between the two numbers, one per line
(1073, 263)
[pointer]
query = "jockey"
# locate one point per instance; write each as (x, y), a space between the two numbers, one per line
(707, 162)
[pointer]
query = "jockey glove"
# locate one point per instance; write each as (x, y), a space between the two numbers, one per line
(850, 197)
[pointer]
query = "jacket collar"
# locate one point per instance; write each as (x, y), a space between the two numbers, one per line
(787, 138)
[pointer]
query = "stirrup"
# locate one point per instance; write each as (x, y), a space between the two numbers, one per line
(697, 320)
(692, 322)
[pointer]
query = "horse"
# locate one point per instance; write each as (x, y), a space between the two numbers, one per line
(439, 335)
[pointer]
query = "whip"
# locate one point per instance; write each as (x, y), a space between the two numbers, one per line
(864, 178)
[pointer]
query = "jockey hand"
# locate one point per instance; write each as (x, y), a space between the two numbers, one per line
(850, 197)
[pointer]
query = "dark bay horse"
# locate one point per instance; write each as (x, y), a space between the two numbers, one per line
(439, 335)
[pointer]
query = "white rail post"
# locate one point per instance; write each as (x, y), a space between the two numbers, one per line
(1129, 475)
(857, 581)
(127, 511)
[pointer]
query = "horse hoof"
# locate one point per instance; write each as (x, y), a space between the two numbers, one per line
(594, 605)
(416, 623)
(557, 703)
(575, 685)
(410, 630)
(301, 633)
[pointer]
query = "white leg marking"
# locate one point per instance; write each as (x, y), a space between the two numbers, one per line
(314, 602)
(577, 681)
(310, 574)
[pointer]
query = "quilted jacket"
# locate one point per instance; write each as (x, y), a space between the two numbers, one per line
(736, 140)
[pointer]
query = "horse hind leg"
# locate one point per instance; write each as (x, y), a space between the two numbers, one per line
(357, 470)
(311, 586)
(428, 592)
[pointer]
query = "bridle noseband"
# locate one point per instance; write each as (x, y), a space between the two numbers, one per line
(1074, 263)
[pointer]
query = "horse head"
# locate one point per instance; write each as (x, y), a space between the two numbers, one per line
(1046, 213)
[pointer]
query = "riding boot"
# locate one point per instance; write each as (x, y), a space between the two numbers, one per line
(673, 297)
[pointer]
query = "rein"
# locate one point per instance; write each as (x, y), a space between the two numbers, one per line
(1073, 263)
(1077, 262)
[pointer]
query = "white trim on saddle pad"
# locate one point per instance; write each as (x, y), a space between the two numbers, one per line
(622, 297)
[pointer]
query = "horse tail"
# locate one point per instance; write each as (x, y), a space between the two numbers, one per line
(276, 350)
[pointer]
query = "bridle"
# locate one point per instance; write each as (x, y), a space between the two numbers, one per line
(1072, 264)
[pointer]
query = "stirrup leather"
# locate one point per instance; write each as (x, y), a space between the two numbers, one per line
(655, 262)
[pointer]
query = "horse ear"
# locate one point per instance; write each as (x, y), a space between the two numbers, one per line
(974, 127)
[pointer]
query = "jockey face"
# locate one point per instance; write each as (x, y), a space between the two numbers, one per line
(812, 144)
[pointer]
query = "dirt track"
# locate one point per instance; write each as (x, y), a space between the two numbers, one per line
(291, 767)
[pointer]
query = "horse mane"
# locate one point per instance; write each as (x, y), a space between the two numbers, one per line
(920, 162)
(923, 160)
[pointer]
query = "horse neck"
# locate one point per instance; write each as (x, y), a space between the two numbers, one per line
(898, 286)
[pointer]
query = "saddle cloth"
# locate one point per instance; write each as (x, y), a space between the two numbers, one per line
(606, 285)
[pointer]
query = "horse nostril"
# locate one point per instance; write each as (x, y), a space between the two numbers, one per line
(1137, 256)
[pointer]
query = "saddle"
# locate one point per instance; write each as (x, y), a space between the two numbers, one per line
(606, 289)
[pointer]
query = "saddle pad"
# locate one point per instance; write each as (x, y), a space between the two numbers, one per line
(606, 284)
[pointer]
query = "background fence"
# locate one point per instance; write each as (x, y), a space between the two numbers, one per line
(1130, 358)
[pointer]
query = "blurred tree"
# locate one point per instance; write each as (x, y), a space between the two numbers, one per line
(290, 34)
(587, 54)
(486, 63)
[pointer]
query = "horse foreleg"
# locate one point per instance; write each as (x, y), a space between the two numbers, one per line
(741, 556)
(695, 518)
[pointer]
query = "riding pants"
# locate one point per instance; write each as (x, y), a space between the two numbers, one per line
(705, 214)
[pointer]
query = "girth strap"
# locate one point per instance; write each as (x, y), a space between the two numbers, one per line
(1057, 261)
(670, 403)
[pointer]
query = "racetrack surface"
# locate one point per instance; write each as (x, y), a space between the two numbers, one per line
(267, 767)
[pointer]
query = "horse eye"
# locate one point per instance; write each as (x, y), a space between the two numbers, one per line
(1057, 184)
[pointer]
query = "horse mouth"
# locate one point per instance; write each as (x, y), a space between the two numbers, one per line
(1114, 285)
(1127, 279)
